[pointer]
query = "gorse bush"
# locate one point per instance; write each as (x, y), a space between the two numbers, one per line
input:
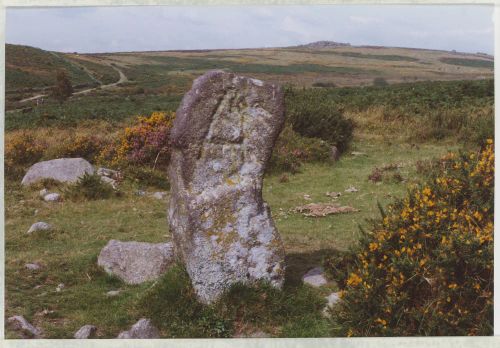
(79, 145)
(145, 143)
(21, 152)
(426, 268)
(291, 150)
(312, 114)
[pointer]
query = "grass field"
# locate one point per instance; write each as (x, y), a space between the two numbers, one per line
(69, 254)
(395, 127)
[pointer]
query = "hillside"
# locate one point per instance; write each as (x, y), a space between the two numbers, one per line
(33, 68)
(317, 63)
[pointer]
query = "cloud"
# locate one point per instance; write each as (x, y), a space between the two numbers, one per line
(135, 28)
(365, 20)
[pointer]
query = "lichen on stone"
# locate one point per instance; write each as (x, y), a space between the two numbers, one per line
(222, 139)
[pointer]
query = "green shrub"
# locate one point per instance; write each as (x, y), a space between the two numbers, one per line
(426, 268)
(380, 82)
(312, 114)
(291, 150)
(324, 84)
(145, 176)
(89, 187)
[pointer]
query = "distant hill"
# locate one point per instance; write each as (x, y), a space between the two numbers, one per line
(324, 44)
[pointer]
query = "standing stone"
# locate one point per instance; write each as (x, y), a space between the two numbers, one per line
(222, 139)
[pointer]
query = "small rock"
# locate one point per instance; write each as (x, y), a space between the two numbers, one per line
(85, 331)
(60, 287)
(315, 277)
(52, 197)
(332, 300)
(351, 189)
(136, 262)
(113, 293)
(140, 193)
(334, 153)
(110, 173)
(109, 181)
(142, 329)
(307, 197)
(159, 195)
(44, 313)
(43, 192)
(39, 226)
(333, 195)
(33, 266)
(356, 153)
(19, 323)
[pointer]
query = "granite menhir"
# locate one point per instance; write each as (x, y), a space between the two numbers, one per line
(222, 139)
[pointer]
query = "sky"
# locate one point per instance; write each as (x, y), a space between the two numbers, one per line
(465, 28)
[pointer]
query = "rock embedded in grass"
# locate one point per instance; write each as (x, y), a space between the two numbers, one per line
(315, 277)
(52, 197)
(110, 173)
(67, 170)
(332, 300)
(136, 262)
(86, 331)
(113, 293)
(222, 139)
(159, 195)
(142, 329)
(33, 266)
(39, 226)
(20, 324)
(109, 181)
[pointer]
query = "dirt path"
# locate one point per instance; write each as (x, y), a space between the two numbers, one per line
(123, 78)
